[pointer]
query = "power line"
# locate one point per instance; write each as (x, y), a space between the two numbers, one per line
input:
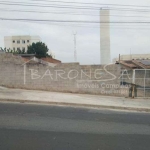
(69, 6)
(129, 9)
(32, 11)
(89, 25)
(68, 13)
(53, 6)
(76, 21)
(90, 3)
(83, 26)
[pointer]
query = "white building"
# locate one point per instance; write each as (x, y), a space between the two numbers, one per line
(132, 56)
(105, 36)
(20, 42)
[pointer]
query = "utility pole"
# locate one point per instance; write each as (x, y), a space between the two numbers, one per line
(75, 47)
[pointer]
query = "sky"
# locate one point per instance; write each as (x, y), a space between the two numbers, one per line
(126, 38)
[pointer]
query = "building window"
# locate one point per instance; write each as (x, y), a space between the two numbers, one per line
(28, 41)
(23, 48)
(18, 41)
(13, 41)
(14, 48)
(18, 48)
(23, 41)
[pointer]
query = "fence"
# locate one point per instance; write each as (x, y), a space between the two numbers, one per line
(141, 78)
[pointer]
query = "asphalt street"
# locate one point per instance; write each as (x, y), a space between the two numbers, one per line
(44, 127)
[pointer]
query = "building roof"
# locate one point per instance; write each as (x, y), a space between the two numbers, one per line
(51, 60)
(31, 58)
(35, 60)
(135, 64)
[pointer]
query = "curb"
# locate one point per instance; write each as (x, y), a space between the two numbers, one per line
(77, 105)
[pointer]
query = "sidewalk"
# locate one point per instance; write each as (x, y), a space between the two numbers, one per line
(81, 100)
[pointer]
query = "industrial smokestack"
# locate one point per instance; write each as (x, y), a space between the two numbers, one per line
(105, 36)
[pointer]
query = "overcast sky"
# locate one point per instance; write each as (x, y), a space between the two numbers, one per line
(125, 38)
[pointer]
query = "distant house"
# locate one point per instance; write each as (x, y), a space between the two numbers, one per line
(132, 57)
(135, 64)
(51, 60)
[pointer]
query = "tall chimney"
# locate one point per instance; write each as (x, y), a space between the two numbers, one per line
(105, 36)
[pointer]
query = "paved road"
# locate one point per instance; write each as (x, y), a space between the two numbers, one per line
(43, 127)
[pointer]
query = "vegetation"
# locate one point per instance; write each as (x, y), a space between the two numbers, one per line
(39, 49)
(13, 51)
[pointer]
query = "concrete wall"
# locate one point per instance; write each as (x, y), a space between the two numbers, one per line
(69, 77)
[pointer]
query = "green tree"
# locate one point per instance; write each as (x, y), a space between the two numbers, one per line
(39, 49)
(13, 51)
